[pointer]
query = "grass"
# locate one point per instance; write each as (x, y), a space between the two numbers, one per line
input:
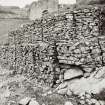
(6, 12)
(25, 88)
(7, 25)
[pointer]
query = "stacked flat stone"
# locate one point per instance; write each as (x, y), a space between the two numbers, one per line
(79, 41)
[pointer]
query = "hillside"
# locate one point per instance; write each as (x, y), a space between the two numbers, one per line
(7, 25)
(12, 12)
(11, 17)
(91, 2)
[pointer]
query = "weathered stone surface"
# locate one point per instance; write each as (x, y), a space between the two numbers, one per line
(86, 75)
(62, 86)
(69, 92)
(25, 101)
(62, 91)
(94, 101)
(89, 85)
(72, 73)
(33, 102)
(100, 73)
(72, 38)
(88, 69)
(68, 103)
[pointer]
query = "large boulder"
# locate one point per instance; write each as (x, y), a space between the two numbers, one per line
(93, 84)
(72, 73)
(79, 86)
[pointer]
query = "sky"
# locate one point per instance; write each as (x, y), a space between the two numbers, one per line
(22, 3)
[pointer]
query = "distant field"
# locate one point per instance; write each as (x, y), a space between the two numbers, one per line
(7, 25)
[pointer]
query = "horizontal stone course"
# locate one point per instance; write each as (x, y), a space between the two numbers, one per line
(73, 38)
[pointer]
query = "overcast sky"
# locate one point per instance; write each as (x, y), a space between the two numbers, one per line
(22, 3)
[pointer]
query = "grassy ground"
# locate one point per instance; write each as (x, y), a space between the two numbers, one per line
(7, 25)
(14, 88)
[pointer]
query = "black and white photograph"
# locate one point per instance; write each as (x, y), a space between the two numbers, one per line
(52, 52)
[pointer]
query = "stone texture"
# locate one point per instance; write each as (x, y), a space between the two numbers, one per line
(61, 86)
(94, 101)
(71, 38)
(100, 73)
(72, 73)
(68, 103)
(33, 102)
(62, 91)
(25, 101)
(69, 92)
(89, 85)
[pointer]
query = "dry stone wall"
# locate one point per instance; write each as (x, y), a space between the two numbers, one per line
(53, 44)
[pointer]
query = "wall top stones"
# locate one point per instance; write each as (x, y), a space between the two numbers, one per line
(78, 16)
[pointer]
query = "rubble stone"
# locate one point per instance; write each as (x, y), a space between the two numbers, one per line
(74, 38)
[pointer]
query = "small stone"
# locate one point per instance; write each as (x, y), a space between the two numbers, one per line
(89, 70)
(50, 92)
(61, 77)
(6, 93)
(57, 69)
(45, 94)
(86, 75)
(88, 96)
(94, 101)
(68, 103)
(61, 86)
(82, 98)
(82, 102)
(100, 73)
(62, 91)
(58, 81)
(69, 92)
(88, 101)
(24, 101)
(33, 102)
